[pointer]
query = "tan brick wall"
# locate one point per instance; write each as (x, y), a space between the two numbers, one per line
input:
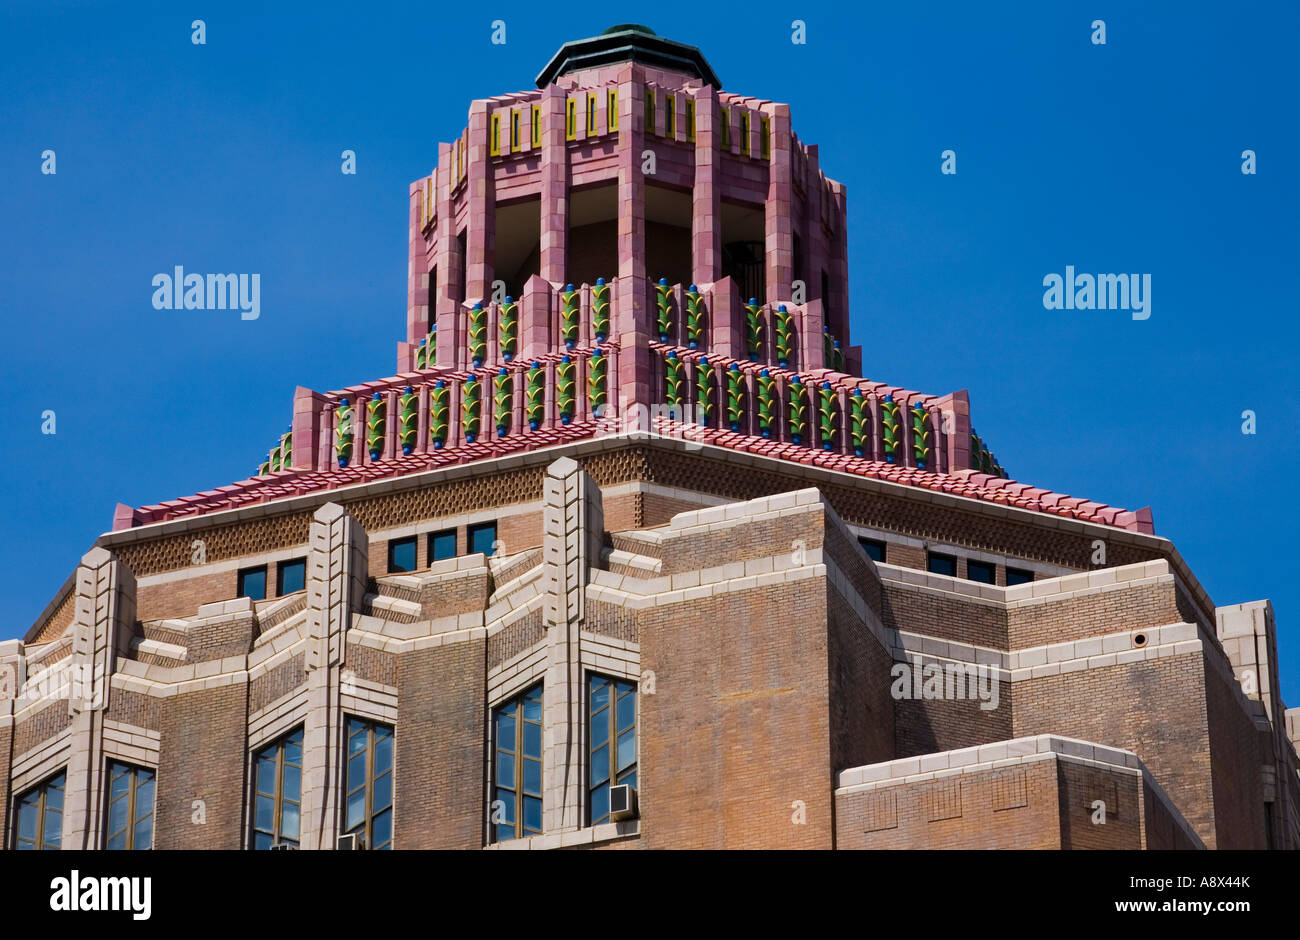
(441, 738)
(1237, 752)
(202, 757)
(1014, 807)
(1081, 787)
(1154, 708)
(6, 767)
(738, 728)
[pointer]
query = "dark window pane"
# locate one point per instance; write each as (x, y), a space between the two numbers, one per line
(626, 749)
(261, 841)
(533, 777)
(942, 564)
(356, 770)
(874, 548)
(599, 728)
(265, 813)
(532, 739)
(599, 765)
(252, 583)
(482, 538)
(506, 730)
(506, 768)
(599, 694)
(117, 816)
(356, 814)
(981, 571)
(382, 830)
(401, 554)
(291, 785)
(599, 804)
(383, 753)
(143, 834)
(292, 576)
(383, 797)
(626, 711)
(117, 843)
(120, 782)
(532, 814)
(1018, 576)
(533, 705)
(289, 822)
(27, 821)
(442, 545)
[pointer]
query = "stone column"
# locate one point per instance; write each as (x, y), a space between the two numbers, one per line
(449, 289)
(336, 583)
(555, 189)
(573, 534)
(481, 193)
(706, 214)
(779, 232)
(102, 628)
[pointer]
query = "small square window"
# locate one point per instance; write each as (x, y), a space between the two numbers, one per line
(401, 554)
(252, 583)
(941, 564)
(442, 545)
(982, 572)
(290, 576)
(482, 538)
(1018, 576)
(874, 548)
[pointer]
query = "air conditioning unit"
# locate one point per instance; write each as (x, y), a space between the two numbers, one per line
(282, 847)
(351, 842)
(622, 802)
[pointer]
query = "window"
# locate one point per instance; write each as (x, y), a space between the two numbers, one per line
(874, 548)
(514, 131)
(537, 126)
(252, 583)
(482, 538)
(442, 545)
(368, 811)
(941, 564)
(130, 807)
(494, 135)
(517, 771)
(649, 110)
(670, 115)
(690, 119)
(1018, 576)
(40, 816)
(725, 124)
(571, 119)
(277, 802)
(744, 133)
(981, 571)
(611, 748)
(611, 110)
(765, 137)
(290, 576)
(591, 114)
(401, 554)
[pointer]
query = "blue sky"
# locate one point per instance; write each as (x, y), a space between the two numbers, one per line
(225, 157)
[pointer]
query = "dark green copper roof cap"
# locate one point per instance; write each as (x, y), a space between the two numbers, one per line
(627, 42)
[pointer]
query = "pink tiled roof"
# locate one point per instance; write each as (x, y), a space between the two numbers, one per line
(968, 483)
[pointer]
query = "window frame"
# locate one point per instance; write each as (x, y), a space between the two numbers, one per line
(613, 777)
(472, 530)
(414, 542)
(280, 745)
(279, 575)
(1017, 573)
(133, 820)
(41, 789)
(239, 581)
(931, 556)
(517, 704)
(866, 543)
(366, 827)
(429, 554)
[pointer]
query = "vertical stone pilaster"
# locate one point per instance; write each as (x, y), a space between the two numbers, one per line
(336, 584)
(573, 534)
(102, 628)
(481, 193)
(706, 214)
(555, 188)
(779, 231)
(449, 287)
